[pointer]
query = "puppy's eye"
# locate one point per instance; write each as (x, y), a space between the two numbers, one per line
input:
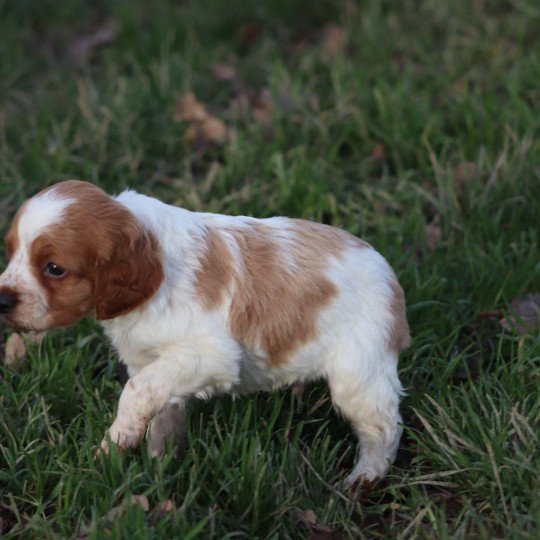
(54, 270)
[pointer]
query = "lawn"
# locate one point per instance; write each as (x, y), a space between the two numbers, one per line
(414, 125)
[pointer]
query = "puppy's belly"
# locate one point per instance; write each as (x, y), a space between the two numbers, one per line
(258, 373)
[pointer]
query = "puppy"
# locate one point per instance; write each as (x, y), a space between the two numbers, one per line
(199, 303)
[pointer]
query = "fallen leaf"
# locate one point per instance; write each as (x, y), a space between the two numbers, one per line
(203, 126)
(249, 103)
(316, 531)
(434, 232)
(114, 513)
(249, 32)
(213, 129)
(140, 500)
(15, 350)
(263, 107)
(121, 510)
(490, 314)
(523, 315)
(165, 506)
(189, 109)
(82, 47)
(306, 517)
(333, 38)
(463, 172)
(378, 152)
(209, 130)
(223, 72)
(440, 496)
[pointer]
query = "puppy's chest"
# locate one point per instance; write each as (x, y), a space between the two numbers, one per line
(133, 352)
(135, 358)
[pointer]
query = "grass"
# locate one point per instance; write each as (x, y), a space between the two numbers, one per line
(421, 134)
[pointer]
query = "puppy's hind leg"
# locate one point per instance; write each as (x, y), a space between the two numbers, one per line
(169, 424)
(367, 394)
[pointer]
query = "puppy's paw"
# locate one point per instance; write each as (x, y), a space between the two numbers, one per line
(105, 448)
(360, 484)
(122, 439)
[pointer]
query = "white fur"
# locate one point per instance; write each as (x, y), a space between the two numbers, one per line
(175, 349)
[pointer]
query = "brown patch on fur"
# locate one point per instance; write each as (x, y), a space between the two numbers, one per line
(112, 263)
(216, 274)
(70, 297)
(399, 337)
(275, 306)
(325, 238)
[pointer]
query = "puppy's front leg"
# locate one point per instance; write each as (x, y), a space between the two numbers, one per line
(149, 391)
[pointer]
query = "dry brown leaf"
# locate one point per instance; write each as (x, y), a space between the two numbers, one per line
(140, 500)
(166, 505)
(82, 47)
(306, 517)
(524, 315)
(121, 510)
(252, 104)
(332, 40)
(223, 72)
(203, 126)
(209, 130)
(378, 153)
(213, 129)
(434, 232)
(490, 314)
(189, 109)
(316, 531)
(14, 350)
(249, 32)
(463, 172)
(163, 507)
(263, 107)
(114, 513)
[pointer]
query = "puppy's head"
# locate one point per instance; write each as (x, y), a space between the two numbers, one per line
(74, 251)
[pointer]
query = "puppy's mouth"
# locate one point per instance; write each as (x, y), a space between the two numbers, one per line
(6, 319)
(18, 326)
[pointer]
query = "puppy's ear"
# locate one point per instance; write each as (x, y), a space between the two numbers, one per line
(131, 273)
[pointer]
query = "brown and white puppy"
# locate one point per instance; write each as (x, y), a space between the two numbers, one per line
(200, 303)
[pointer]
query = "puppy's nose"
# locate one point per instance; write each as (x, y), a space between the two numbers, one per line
(7, 302)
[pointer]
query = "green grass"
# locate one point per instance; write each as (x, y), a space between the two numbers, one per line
(440, 84)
